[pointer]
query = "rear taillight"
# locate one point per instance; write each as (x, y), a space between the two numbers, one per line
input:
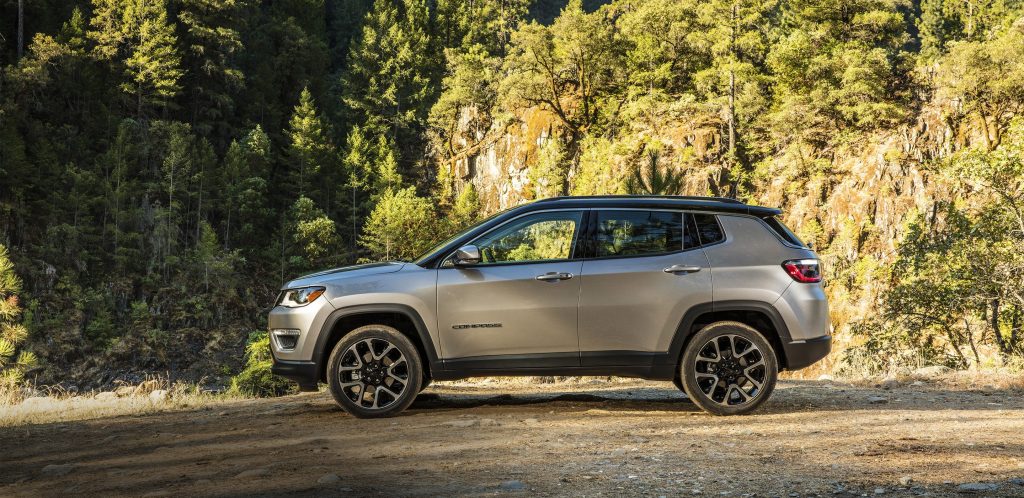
(803, 270)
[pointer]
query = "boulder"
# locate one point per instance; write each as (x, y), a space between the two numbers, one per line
(931, 371)
(158, 396)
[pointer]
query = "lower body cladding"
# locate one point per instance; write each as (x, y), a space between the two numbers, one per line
(653, 366)
(304, 373)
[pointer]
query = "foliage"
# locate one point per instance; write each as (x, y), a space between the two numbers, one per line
(138, 35)
(401, 227)
(958, 277)
(255, 378)
(14, 359)
(548, 176)
(654, 179)
(986, 78)
(166, 164)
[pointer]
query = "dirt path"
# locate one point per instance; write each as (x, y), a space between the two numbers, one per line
(636, 438)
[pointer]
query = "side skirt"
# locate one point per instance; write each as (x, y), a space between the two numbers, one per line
(639, 364)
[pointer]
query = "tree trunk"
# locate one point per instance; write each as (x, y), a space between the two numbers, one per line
(1014, 327)
(995, 327)
(21, 28)
(970, 342)
(733, 187)
(956, 345)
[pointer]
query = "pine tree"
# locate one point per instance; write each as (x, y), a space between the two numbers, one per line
(212, 43)
(310, 239)
(138, 35)
(466, 209)
(733, 37)
(13, 363)
(390, 82)
(311, 153)
(401, 227)
(244, 183)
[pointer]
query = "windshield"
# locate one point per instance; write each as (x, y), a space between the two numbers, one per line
(430, 252)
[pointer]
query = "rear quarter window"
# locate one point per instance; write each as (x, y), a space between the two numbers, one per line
(783, 231)
(708, 229)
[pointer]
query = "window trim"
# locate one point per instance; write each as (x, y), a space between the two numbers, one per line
(575, 249)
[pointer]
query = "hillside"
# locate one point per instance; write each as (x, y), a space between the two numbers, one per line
(166, 165)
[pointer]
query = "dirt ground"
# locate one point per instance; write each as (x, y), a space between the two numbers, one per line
(822, 438)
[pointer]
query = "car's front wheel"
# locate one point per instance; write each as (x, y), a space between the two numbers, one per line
(728, 368)
(374, 371)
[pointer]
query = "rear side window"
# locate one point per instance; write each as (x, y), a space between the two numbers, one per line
(638, 233)
(783, 231)
(708, 228)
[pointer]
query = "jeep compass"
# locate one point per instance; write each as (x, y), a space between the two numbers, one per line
(713, 294)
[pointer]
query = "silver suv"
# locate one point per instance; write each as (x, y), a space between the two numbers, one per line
(713, 294)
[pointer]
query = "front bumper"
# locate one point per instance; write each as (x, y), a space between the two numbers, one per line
(804, 353)
(304, 373)
(305, 323)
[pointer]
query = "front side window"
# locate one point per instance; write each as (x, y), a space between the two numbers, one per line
(538, 237)
(638, 233)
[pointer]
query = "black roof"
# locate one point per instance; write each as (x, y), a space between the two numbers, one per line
(718, 204)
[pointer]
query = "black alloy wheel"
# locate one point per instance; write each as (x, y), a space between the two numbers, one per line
(729, 368)
(375, 371)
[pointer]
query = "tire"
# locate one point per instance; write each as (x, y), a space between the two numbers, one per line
(679, 385)
(374, 371)
(729, 384)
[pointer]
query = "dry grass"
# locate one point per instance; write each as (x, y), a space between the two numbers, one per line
(57, 407)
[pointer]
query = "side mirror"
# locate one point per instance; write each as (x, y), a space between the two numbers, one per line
(467, 256)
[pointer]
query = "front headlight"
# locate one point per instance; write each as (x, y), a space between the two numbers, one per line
(297, 298)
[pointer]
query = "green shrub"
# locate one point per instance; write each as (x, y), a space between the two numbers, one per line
(255, 379)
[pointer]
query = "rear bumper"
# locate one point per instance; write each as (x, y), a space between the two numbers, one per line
(804, 353)
(304, 373)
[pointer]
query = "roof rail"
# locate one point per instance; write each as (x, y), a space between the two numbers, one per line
(727, 200)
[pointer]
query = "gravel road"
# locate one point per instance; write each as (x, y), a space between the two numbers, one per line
(823, 438)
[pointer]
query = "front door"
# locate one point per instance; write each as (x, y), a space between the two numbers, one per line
(519, 304)
(647, 271)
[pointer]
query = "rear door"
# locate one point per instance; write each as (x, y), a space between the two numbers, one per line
(645, 270)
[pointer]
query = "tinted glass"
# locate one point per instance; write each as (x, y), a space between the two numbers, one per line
(783, 231)
(708, 228)
(638, 233)
(538, 237)
(690, 238)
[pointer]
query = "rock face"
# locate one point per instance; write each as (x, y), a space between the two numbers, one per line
(497, 161)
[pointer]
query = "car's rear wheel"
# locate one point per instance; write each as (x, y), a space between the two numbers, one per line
(374, 371)
(728, 368)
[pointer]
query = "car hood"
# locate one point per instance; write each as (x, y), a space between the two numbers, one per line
(344, 272)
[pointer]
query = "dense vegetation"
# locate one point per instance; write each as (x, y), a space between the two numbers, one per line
(166, 164)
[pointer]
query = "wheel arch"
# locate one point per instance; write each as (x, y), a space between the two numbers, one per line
(402, 317)
(759, 315)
